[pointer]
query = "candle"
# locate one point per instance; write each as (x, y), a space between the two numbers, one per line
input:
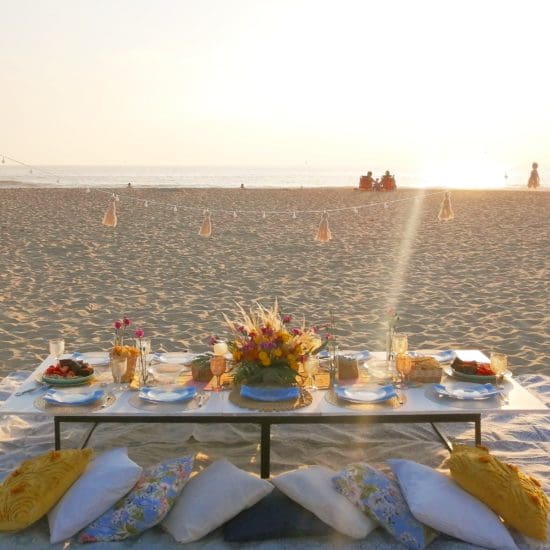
(220, 348)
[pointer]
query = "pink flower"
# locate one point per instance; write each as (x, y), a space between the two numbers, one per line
(296, 331)
(213, 340)
(287, 319)
(391, 312)
(126, 321)
(139, 333)
(118, 325)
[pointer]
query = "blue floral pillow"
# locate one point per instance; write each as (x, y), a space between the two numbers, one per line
(380, 497)
(145, 505)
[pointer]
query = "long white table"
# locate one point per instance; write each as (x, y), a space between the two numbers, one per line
(419, 406)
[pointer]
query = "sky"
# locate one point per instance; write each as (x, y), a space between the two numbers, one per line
(425, 86)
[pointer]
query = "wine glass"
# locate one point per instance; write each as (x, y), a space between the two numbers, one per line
(311, 366)
(57, 348)
(217, 366)
(118, 368)
(499, 364)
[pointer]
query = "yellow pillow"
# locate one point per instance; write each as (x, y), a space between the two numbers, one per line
(513, 495)
(32, 489)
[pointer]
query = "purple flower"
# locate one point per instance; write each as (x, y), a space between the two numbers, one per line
(118, 325)
(139, 333)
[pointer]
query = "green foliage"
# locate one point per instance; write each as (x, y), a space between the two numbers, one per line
(255, 374)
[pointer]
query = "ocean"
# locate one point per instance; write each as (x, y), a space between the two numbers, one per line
(14, 175)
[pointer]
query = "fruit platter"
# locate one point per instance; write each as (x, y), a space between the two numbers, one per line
(475, 371)
(67, 372)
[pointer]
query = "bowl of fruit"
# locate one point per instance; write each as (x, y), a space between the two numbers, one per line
(67, 372)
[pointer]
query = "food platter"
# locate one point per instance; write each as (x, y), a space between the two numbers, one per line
(478, 378)
(66, 382)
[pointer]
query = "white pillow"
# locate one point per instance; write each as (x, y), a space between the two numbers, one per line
(313, 489)
(106, 479)
(211, 498)
(436, 500)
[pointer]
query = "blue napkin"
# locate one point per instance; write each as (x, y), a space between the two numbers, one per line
(445, 356)
(59, 397)
(270, 394)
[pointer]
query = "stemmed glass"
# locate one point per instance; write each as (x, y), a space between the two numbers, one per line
(118, 368)
(403, 364)
(311, 366)
(57, 348)
(218, 367)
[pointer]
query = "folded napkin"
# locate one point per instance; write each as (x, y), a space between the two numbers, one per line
(59, 397)
(270, 394)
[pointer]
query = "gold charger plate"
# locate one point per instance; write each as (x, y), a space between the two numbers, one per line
(102, 403)
(236, 398)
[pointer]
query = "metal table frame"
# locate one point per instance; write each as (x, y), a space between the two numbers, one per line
(265, 421)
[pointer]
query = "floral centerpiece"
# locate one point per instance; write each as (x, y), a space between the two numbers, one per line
(121, 350)
(267, 351)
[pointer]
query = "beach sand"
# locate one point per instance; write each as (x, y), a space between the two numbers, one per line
(479, 281)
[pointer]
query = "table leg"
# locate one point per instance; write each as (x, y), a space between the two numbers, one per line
(265, 443)
(443, 438)
(478, 430)
(57, 433)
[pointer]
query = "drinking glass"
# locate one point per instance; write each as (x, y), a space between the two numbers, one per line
(499, 363)
(400, 342)
(403, 364)
(311, 366)
(118, 368)
(144, 345)
(57, 347)
(217, 366)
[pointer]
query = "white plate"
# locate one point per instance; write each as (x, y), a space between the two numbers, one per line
(365, 393)
(80, 397)
(92, 358)
(167, 395)
(177, 357)
(168, 372)
(467, 391)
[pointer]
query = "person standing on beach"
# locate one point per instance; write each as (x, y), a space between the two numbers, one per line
(534, 179)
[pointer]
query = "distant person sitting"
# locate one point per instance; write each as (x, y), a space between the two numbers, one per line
(129, 185)
(534, 179)
(366, 183)
(388, 182)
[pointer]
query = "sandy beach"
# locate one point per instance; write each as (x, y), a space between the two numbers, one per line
(479, 281)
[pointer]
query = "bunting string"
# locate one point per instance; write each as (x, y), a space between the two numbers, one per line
(323, 234)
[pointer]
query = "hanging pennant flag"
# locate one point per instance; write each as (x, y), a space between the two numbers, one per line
(117, 198)
(88, 190)
(110, 218)
(263, 215)
(206, 227)
(323, 233)
(446, 211)
(294, 215)
(386, 205)
(234, 214)
(175, 208)
(145, 204)
(356, 210)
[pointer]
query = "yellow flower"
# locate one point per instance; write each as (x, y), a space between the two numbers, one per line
(277, 352)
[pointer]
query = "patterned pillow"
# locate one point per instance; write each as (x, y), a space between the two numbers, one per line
(379, 497)
(145, 506)
(33, 488)
(513, 495)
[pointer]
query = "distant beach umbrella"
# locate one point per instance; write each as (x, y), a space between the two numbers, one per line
(323, 233)
(446, 211)
(206, 227)
(110, 218)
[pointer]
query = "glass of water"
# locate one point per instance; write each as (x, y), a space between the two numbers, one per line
(57, 347)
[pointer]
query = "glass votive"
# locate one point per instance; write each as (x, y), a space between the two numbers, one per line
(499, 362)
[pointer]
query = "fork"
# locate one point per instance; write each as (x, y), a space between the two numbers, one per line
(28, 390)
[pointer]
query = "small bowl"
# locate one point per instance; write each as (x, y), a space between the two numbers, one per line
(378, 370)
(167, 372)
